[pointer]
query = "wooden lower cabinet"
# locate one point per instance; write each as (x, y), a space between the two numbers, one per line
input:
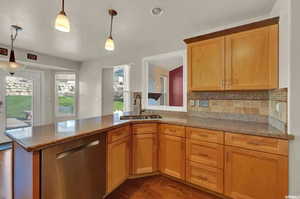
(118, 157)
(208, 177)
(246, 167)
(144, 153)
(255, 175)
(172, 156)
(206, 153)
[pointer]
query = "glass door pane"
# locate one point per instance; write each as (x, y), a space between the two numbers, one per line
(18, 101)
(118, 89)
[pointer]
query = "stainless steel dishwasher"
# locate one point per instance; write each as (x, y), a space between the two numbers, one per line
(75, 170)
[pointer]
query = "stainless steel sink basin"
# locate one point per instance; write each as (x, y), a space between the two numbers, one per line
(140, 117)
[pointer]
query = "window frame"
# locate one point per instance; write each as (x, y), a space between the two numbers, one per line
(58, 115)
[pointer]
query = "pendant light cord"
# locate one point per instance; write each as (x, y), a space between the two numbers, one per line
(13, 37)
(63, 5)
(111, 24)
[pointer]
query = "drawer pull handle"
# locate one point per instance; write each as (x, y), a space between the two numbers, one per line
(202, 135)
(253, 143)
(172, 130)
(202, 178)
(203, 155)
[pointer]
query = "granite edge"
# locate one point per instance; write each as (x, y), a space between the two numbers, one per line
(83, 134)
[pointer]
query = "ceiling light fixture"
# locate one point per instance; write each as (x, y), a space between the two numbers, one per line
(62, 22)
(109, 44)
(12, 66)
(157, 11)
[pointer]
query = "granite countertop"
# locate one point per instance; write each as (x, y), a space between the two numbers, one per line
(4, 139)
(40, 137)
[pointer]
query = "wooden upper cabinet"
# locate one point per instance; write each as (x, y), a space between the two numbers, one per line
(206, 65)
(252, 59)
(240, 58)
(254, 175)
(172, 156)
(144, 153)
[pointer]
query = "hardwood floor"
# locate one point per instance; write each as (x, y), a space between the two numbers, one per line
(157, 187)
(5, 174)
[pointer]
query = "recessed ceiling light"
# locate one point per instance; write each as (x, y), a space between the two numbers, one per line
(157, 11)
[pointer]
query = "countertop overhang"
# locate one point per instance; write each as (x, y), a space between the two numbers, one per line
(41, 137)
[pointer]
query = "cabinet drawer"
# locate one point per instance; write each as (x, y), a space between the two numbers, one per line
(150, 128)
(269, 145)
(209, 154)
(205, 135)
(204, 176)
(174, 130)
(118, 134)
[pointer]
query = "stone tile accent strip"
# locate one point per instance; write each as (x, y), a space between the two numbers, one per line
(230, 95)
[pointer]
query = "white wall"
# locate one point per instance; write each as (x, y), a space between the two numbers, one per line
(107, 91)
(294, 99)
(44, 61)
(90, 90)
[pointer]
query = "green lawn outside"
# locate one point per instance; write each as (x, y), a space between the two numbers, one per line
(118, 106)
(66, 100)
(16, 105)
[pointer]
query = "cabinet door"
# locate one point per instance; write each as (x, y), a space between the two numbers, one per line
(117, 163)
(253, 175)
(172, 156)
(252, 59)
(144, 153)
(206, 65)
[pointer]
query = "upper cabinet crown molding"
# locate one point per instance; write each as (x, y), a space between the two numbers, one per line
(242, 28)
(241, 58)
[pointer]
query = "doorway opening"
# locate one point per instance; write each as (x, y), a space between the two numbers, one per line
(115, 90)
(19, 102)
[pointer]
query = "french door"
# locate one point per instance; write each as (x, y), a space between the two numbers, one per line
(20, 98)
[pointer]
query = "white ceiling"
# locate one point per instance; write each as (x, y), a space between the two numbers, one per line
(135, 30)
(168, 63)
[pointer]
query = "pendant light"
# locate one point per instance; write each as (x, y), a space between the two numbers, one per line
(62, 22)
(11, 66)
(109, 44)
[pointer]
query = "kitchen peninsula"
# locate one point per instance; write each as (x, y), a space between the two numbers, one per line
(216, 147)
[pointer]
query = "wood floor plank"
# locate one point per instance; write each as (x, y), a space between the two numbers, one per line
(5, 174)
(157, 187)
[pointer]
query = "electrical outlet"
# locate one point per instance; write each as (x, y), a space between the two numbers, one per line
(192, 102)
(197, 102)
(204, 103)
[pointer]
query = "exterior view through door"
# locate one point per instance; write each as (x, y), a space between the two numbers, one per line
(18, 100)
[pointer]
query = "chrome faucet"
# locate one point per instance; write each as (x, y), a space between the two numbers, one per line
(140, 103)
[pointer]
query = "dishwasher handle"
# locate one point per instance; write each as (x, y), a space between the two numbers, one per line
(77, 149)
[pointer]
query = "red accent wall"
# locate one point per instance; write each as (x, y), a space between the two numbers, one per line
(176, 87)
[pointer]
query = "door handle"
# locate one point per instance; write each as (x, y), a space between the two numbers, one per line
(77, 149)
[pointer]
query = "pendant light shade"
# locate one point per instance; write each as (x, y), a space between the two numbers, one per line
(110, 44)
(62, 22)
(12, 66)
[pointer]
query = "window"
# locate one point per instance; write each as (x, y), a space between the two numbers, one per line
(121, 102)
(66, 92)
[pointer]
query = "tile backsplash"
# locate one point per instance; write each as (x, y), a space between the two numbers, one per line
(257, 106)
(278, 108)
(254, 106)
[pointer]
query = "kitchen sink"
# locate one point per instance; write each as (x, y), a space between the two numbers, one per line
(140, 117)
